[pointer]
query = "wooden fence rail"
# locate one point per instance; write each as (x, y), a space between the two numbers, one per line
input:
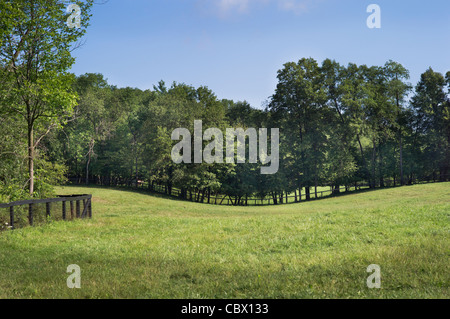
(77, 199)
(243, 201)
(217, 199)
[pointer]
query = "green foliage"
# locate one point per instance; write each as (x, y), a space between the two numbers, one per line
(432, 121)
(48, 175)
(339, 125)
(35, 46)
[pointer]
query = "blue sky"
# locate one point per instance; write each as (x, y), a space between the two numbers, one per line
(235, 47)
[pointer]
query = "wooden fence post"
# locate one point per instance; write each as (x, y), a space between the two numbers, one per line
(64, 210)
(11, 217)
(83, 215)
(90, 207)
(47, 209)
(30, 214)
(87, 208)
(78, 209)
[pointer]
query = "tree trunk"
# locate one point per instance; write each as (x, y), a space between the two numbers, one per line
(380, 166)
(203, 195)
(337, 189)
(90, 152)
(274, 196)
(373, 177)
(315, 186)
(87, 168)
(363, 157)
(31, 157)
(136, 158)
(402, 181)
(308, 193)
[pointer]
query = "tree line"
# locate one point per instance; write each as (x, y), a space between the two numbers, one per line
(340, 125)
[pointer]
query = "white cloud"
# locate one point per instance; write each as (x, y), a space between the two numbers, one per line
(296, 6)
(228, 7)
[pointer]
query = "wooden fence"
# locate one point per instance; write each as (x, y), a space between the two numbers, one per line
(74, 207)
(217, 199)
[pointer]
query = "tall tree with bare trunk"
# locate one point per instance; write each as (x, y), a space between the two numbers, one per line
(36, 42)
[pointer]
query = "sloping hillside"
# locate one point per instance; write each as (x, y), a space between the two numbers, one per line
(146, 246)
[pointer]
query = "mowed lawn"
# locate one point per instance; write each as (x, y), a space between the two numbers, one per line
(146, 246)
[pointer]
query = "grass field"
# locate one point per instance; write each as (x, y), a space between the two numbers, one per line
(146, 246)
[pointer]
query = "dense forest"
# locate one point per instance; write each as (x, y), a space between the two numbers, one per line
(339, 125)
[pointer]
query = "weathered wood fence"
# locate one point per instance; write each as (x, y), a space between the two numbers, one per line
(71, 211)
(218, 199)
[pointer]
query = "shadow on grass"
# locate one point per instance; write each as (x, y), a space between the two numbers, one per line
(157, 194)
